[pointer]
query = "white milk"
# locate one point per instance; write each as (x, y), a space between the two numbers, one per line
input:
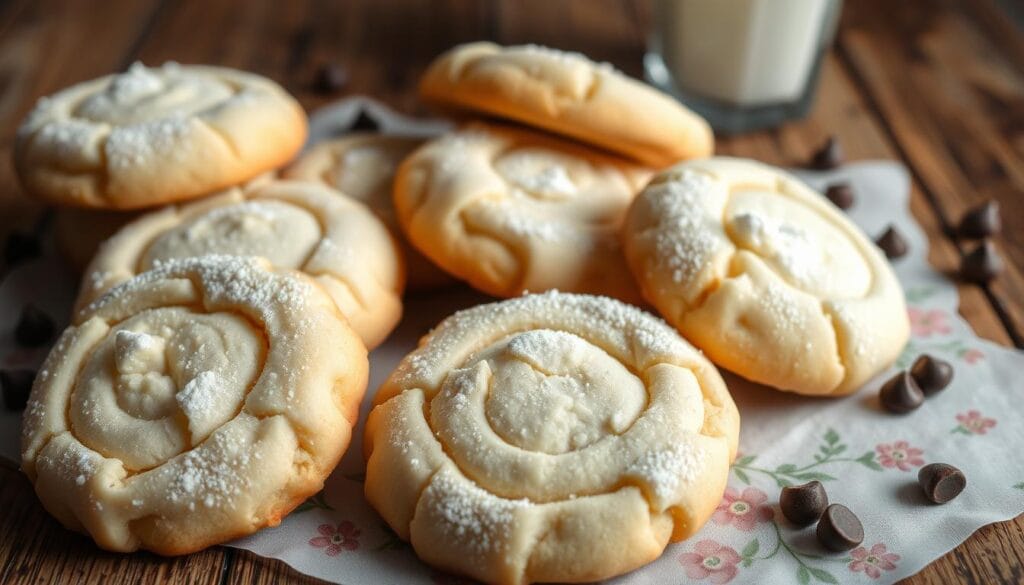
(742, 52)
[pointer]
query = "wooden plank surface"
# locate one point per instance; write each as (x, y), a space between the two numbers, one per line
(938, 85)
(953, 103)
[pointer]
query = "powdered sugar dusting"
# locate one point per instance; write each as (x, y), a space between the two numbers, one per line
(476, 519)
(526, 228)
(569, 311)
(791, 248)
(535, 346)
(134, 84)
(666, 470)
(76, 462)
(547, 180)
(682, 245)
(140, 144)
(198, 400)
(211, 476)
(74, 140)
(780, 302)
(565, 57)
(137, 353)
(258, 209)
(230, 279)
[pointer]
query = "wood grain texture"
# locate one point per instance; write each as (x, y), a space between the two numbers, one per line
(953, 102)
(34, 548)
(46, 45)
(937, 84)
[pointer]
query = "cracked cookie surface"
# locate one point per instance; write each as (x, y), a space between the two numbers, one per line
(509, 210)
(154, 135)
(363, 166)
(195, 403)
(299, 225)
(765, 276)
(568, 94)
(549, 438)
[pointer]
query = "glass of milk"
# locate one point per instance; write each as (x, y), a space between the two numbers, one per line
(742, 64)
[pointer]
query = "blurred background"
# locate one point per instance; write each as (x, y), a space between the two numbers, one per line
(948, 74)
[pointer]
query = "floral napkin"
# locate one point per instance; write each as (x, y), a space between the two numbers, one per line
(866, 458)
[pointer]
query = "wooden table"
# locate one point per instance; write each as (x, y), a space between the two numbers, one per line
(936, 84)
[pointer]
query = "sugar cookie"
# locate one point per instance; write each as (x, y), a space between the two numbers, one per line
(193, 404)
(363, 166)
(79, 232)
(553, 438)
(765, 276)
(301, 225)
(156, 135)
(569, 94)
(510, 210)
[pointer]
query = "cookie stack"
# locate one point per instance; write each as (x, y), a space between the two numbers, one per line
(218, 354)
(537, 205)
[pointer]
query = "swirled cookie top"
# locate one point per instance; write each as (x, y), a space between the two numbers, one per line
(301, 225)
(533, 188)
(766, 275)
(176, 390)
(144, 93)
(551, 382)
(131, 114)
(361, 166)
(154, 135)
(515, 418)
(625, 333)
(698, 213)
(513, 210)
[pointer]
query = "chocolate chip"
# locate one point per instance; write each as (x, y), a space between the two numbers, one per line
(829, 156)
(331, 78)
(941, 482)
(892, 243)
(839, 529)
(21, 247)
(841, 195)
(16, 385)
(364, 123)
(900, 394)
(931, 374)
(981, 264)
(34, 327)
(980, 222)
(803, 504)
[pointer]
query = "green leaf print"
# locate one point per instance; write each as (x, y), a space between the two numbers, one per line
(831, 450)
(741, 475)
(831, 437)
(917, 294)
(868, 460)
(822, 575)
(316, 501)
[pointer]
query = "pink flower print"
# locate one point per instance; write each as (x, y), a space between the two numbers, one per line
(973, 423)
(972, 356)
(899, 455)
(711, 559)
(874, 561)
(334, 539)
(744, 510)
(926, 323)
